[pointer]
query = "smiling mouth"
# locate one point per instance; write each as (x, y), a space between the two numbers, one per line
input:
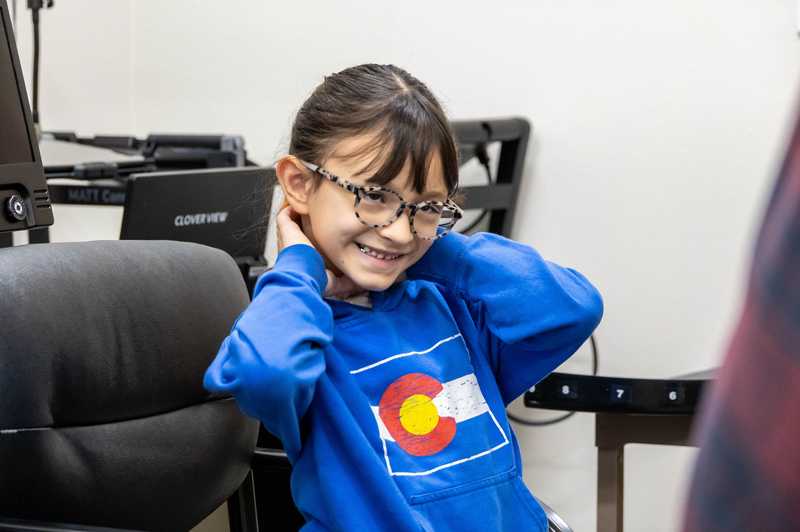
(369, 251)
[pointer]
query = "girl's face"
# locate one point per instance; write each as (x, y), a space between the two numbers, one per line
(372, 257)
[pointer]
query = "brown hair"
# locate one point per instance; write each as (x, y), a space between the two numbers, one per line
(407, 120)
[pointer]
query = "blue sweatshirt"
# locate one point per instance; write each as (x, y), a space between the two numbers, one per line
(394, 416)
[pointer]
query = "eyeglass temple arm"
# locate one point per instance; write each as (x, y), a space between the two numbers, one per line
(310, 166)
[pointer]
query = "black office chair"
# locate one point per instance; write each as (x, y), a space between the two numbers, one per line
(104, 421)
(554, 521)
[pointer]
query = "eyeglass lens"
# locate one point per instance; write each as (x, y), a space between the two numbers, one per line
(378, 207)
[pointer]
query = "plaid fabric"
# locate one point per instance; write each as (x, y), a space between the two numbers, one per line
(747, 475)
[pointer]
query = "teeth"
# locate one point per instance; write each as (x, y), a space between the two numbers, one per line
(368, 251)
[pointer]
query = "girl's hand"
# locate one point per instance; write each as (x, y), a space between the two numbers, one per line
(288, 229)
(289, 233)
(340, 287)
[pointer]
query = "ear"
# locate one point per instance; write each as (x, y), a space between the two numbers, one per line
(296, 186)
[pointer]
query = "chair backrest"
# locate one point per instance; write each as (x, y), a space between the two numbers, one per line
(104, 420)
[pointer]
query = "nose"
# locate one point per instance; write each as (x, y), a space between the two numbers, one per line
(398, 231)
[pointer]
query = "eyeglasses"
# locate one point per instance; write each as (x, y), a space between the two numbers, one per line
(379, 207)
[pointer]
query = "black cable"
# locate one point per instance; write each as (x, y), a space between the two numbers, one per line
(35, 102)
(562, 417)
(35, 6)
(544, 423)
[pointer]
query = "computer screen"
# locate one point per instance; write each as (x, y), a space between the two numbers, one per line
(15, 146)
(24, 199)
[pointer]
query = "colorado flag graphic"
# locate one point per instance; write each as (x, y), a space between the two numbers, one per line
(429, 409)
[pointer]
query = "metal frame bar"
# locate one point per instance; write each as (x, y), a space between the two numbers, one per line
(501, 197)
(612, 433)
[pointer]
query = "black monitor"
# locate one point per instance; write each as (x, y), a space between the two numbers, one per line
(24, 200)
(224, 208)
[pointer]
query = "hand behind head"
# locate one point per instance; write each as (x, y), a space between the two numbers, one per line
(288, 229)
(290, 233)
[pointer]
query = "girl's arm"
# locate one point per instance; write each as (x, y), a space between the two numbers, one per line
(273, 356)
(531, 314)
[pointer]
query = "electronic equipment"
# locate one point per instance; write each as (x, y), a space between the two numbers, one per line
(24, 199)
(224, 208)
(162, 152)
(591, 393)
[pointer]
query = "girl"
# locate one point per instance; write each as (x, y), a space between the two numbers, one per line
(383, 348)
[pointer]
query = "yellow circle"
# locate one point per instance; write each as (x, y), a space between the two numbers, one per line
(419, 415)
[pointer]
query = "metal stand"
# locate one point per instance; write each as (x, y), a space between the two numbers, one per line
(500, 197)
(242, 507)
(612, 433)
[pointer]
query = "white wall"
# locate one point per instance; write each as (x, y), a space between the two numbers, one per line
(658, 126)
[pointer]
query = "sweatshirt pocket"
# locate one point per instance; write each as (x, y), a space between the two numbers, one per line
(464, 488)
(501, 503)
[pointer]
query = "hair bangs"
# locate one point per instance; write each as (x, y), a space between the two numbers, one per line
(410, 134)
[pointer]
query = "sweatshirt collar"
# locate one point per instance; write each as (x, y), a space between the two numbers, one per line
(381, 302)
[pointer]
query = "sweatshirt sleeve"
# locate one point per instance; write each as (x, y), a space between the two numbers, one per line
(531, 314)
(273, 357)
